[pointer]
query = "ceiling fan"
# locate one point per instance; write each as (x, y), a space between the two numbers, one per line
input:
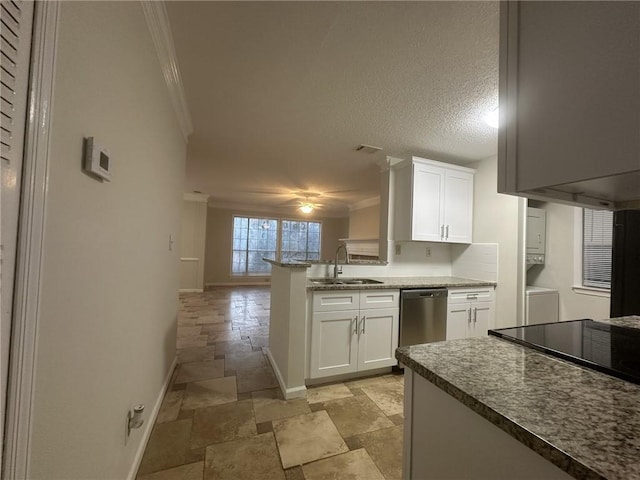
(306, 201)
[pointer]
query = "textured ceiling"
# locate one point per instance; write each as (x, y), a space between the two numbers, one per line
(281, 94)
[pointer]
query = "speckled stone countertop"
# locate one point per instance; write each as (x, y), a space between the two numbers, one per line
(404, 282)
(632, 321)
(585, 422)
(290, 264)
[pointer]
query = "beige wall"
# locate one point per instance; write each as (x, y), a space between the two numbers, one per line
(495, 220)
(558, 271)
(218, 242)
(365, 222)
(107, 330)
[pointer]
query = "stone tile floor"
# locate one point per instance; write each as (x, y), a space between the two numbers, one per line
(224, 417)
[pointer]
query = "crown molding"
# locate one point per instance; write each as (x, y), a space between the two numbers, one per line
(369, 202)
(158, 22)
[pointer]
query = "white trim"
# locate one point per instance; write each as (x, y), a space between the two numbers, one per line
(189, 259)
(369, 202)
(287, 393)
(191, 290)
(195, 197)
(595, 292)
(26, 314)
(158, 23)
(148, 425)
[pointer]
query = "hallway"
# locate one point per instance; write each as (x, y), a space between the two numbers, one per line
(223, 416)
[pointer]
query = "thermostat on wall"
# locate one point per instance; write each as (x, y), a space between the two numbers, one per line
(97, 160)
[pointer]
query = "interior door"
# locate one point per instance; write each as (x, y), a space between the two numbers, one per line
(15, 50)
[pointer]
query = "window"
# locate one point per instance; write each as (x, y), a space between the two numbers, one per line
(300, 240)
(253, 239)
(597, 235)
(258, 238)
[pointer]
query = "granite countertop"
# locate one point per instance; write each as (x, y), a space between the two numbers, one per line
(288, 264)
(585, 422)
(404, 282)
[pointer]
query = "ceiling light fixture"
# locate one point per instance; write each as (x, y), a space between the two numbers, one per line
(493, 118)
(306, 207)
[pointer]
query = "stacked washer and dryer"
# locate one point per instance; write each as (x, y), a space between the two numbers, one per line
(541, 304)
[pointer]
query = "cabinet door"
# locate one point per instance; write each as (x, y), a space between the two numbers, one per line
(427, 203)
(482, 317)
(458, 321)
(536, 230)
(377, 338)
(334, 343)
(458, 207)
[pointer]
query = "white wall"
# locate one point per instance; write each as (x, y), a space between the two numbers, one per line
(220, 230)
(558, 271)
(495, 220)
(109, 287)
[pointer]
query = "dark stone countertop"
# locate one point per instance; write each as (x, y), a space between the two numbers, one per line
(405, 282)
(585, 422)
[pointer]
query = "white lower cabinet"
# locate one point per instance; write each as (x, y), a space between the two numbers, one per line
(353, 339)
(470, 312)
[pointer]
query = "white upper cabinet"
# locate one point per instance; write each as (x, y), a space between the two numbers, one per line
(570, 102)
(433, 202)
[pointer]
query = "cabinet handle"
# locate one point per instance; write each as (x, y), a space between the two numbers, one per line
(446, 235)
(364, 322)
(469, 314)
(441, 232)
(475, 314)
(355, 320)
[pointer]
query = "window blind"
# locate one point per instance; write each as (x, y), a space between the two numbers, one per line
(597, 228)
(11, 17)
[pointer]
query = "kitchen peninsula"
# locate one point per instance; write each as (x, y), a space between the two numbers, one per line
(488, 408)
(291, 311)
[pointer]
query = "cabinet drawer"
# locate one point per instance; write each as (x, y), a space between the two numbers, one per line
(335, 300)
(469, 294)
(379, 298)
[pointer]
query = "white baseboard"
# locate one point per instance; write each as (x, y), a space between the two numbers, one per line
(148, 425)
(237, 284)
(191, 290)
(287, 393)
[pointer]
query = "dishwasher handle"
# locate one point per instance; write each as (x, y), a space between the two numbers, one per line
(424, 293)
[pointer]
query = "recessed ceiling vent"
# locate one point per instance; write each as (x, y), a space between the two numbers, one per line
(368, 148)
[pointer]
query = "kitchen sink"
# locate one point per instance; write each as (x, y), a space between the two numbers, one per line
(344, 281)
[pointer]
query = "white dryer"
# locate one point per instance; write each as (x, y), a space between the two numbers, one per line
(541, 305)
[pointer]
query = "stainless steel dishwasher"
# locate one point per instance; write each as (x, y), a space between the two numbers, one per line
(423, 316)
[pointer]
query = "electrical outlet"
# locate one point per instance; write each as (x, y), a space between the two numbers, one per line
(428, 252)
(398, 249)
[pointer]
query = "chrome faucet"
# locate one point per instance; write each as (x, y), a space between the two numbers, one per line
(336, 272)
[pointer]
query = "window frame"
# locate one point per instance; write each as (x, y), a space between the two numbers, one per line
(578, 253)
(279, 240)
(307, 222)
(231, 250)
